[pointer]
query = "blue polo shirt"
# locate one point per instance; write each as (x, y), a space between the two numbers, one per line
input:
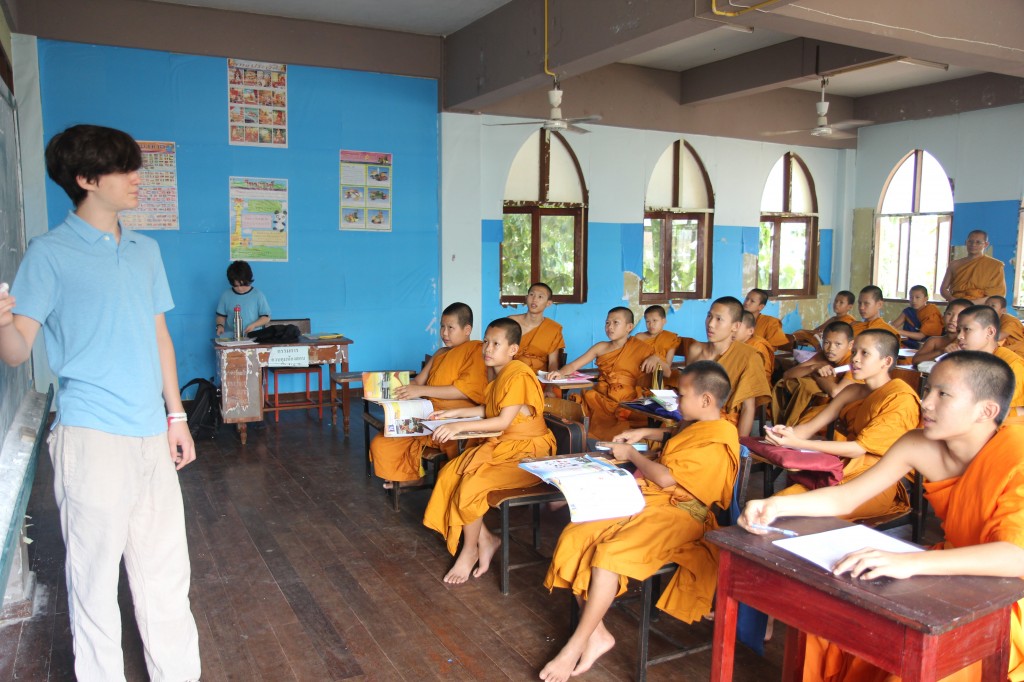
(96, 300)
(253, 303)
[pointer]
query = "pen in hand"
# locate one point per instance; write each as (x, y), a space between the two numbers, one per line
(773, 529)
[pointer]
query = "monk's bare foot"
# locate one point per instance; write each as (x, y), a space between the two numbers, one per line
(388, 485)
(599, 644)
(488, 544)
(560, 668)
(463, 565)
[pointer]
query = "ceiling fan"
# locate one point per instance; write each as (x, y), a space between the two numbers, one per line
(835, 131)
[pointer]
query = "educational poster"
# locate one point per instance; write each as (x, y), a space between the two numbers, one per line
(257, 103)
(158, 189)
(365, 191)
(259, 219)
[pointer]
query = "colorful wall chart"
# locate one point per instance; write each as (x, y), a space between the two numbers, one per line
(158, 189)
(365, 191)
(259, 219)
(257, 103)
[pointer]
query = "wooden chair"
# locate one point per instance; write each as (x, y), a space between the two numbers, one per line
(272, 373)
(651, 588)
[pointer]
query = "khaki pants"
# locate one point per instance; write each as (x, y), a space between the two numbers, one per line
(119, 496)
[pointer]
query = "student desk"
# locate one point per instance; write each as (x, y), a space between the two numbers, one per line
(241, 372)
(921, 628)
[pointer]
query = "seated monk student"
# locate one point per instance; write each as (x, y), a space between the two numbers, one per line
(978, 330)
(814, 376)
(842, 304)
(514, 405)
(869, 305)
(872, 416)
(938, 346)
(542, 337)
(920, 320)
(974, 473)
(696, 469)
(664, 343)
(454, 377)
(745, 334)
(767, 327)
(1011, 331)
(976, 276)
(740, 361)
(619, 359)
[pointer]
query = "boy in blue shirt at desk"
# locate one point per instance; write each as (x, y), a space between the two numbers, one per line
(255, 309)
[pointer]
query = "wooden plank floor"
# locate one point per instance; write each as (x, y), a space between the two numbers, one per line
(301, 571)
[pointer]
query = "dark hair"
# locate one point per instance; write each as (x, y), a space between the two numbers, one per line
(962, 302)
(983, 314)
(543, 286)
(462, 312)
(983, 233)
(839, 327)
(657, 310)
(1001, 300)
(747, 319)
(887, 343)
(761, 293)
(920, 287)
(987, 376)
(513, 330)
(848, 295)
(709, 377)
(239, 271)
(625, 311)
(872, 291)
(733, 304)
(89, 151)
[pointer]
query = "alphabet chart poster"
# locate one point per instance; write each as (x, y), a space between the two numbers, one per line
(158, 190)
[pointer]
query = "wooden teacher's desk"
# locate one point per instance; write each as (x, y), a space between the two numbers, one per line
(241, 372)
(921, 628)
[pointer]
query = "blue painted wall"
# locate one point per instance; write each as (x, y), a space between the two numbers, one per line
(378, 289)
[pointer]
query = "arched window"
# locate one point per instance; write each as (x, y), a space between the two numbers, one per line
(544, 236)
(678, 222)
(912, 227)
(787, 257)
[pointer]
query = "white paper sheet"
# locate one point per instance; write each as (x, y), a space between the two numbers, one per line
(826, 549)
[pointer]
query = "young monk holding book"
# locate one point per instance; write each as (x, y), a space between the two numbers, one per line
(542, 337)
(664, 343)
(514, 405)
(767, 327)
(920, 319)
(978, 329)
(1011, 331)
(817, 375)
(454, 377)
(974, 473)
(745, 334)
(869, 305)
(873, 416)
(741, 363)
(695, 470)
(619, 359)
(937, 346)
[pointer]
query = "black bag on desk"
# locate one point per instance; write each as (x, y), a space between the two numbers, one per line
(276, 333)
(570, 436)
(204, 418)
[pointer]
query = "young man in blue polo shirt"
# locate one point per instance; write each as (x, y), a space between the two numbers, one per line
(100, 293)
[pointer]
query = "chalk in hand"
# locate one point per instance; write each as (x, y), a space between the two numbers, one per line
(4, 288)
(773, 529)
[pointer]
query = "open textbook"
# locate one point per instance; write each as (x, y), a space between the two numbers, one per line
(379, 385)
(594, 487)
(404, 418)
(574, 378)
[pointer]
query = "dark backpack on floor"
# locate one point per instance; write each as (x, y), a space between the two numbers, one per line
(204, 418)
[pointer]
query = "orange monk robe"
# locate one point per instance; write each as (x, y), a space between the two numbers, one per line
(877, 323)
(982, 505)
(539, 343)
(399, 459)
(703, 459)
(979, 277)
(1016, 363)
(770, 329)
(806, 337)
(767, 354)
(460, 494)
(876, 422)
(800, 392)
(931, 321)
(1011, 333)
(746, 374)
(620, 380)
(664, 344)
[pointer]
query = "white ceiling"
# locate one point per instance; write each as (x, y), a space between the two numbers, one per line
(429, 17)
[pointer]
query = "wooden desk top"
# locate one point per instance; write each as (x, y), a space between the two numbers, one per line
(303, 341)
(930, 604)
